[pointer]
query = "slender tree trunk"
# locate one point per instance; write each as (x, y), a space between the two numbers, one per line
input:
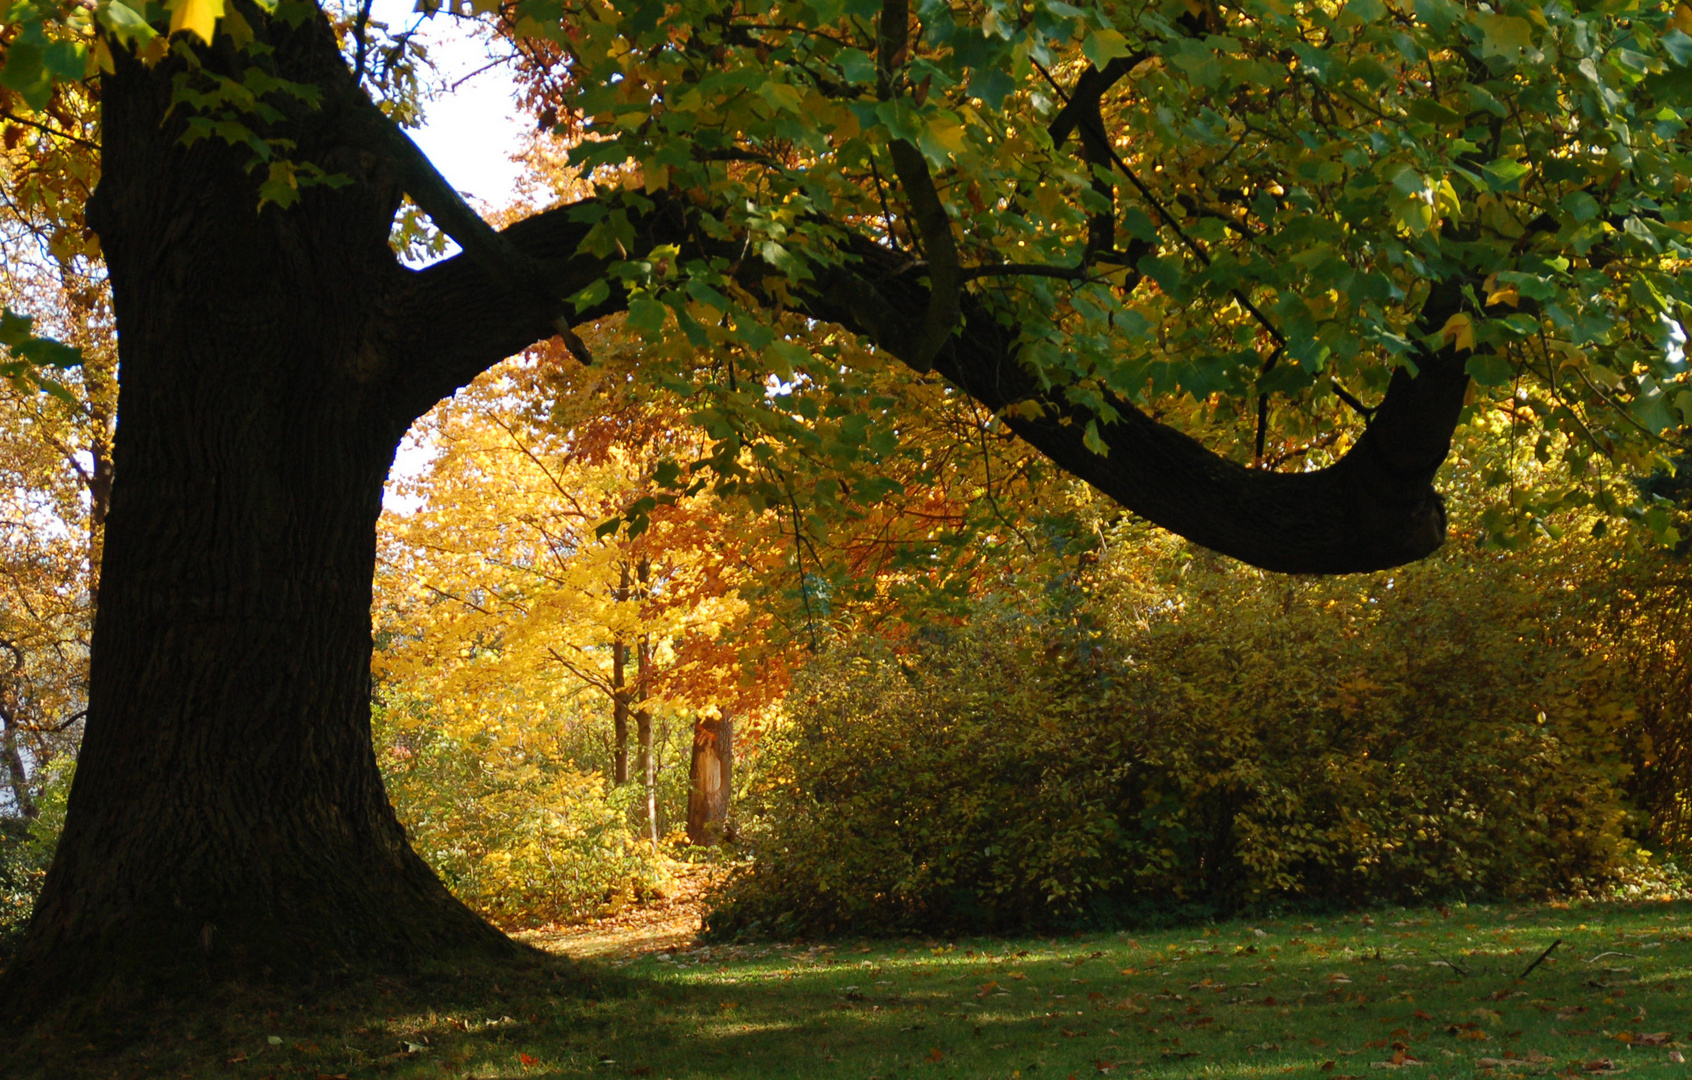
(17, 777)
(710, 780)
(643, 715)
(227, 815)
(643, 721)
(620, 692)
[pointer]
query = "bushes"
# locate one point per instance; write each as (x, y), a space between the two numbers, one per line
(26, 849)
(1234, 738)
(522, 836)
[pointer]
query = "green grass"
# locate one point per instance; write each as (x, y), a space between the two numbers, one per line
(1359, 996)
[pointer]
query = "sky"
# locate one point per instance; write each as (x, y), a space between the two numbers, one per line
(470, 133)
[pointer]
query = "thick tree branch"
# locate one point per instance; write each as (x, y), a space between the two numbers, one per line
(457, 318)
(1375, 508)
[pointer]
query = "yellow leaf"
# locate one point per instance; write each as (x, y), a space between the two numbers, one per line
(196, 16)
(1459, 330)
(1682, 19)
(1446, 200)
(947, 132)
(657, 176)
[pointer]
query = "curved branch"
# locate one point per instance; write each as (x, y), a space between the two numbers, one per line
(1374, 508)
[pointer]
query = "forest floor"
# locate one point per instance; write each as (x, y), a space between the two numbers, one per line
(670, 923)
(1420, 994)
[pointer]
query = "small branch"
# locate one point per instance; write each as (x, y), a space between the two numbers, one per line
(53, 131)
(1541, 958)
(928, 214)
(1448, 963)
(1345, 395)
(1066, 273)
(361, 25)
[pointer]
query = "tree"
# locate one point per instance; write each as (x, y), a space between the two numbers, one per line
(1071, 213)
(504, 594)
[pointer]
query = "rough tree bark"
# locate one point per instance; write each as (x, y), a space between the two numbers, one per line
(710, 780)
(227, 816)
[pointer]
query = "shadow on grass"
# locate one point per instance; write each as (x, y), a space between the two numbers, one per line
(1439, 994)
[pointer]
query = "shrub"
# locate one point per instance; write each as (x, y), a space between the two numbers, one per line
(523, 837)
(26, 850)
(1225, 738)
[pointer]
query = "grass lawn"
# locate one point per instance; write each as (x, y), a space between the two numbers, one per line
(1419, 993)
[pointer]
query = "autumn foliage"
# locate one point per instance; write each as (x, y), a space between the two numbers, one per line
(1170, 734)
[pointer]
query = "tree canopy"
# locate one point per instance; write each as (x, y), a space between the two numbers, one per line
(1078, 215)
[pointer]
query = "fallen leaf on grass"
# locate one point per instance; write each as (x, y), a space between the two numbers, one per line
(1105, 1066)
(1180, 1053)
(1599, 1065)
(1677, 1057)
(525, 1059)
(935, 1056)
(1654, 1038)
(1264, 1046)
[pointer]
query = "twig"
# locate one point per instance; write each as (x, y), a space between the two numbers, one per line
(1448, 963)
(1541, 959)
(1601, 956)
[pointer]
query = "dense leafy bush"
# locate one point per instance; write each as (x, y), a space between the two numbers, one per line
(1224, 738)
(26, 849)
(519, 834)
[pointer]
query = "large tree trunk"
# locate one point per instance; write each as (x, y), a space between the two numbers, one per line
(227, 816)
(711, 780)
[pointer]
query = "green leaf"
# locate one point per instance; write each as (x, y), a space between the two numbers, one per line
(856, 65)
(647, 316)
(1090, 438)
(1504, 35)
(1103, 46)
(1651, 407)
(992, 86)
(590, 296)
(1490, 370)
(1505, 174)
(18, 336)
(1678, 46)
